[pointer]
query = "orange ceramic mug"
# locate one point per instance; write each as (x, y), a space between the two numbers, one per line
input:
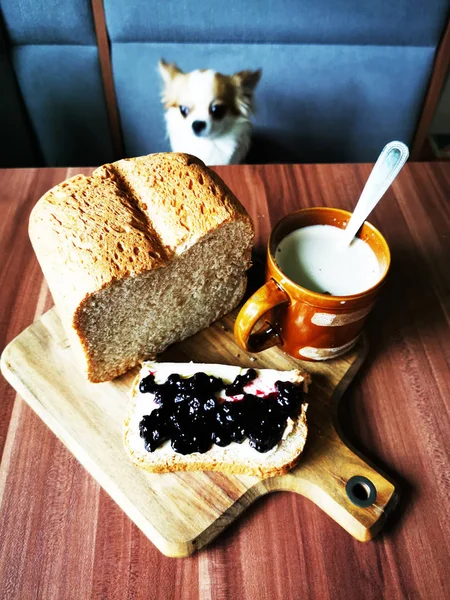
(306, 324)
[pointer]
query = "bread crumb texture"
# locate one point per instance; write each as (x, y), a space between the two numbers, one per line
(132, 245)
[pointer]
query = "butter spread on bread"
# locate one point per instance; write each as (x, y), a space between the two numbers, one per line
(199, 424)
(143, 253)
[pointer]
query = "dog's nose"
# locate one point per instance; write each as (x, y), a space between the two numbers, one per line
(198, 126)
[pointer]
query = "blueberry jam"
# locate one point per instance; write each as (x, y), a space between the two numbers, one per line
(237, 387)
(193, 418)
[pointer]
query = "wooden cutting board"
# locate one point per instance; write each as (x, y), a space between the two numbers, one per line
(181, 512)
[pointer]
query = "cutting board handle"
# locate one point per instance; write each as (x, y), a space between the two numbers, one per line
(345, 486)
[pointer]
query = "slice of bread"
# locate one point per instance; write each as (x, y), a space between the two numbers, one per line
(234, 458)
(142, 254)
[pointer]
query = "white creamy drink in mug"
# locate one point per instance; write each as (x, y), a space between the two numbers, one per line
(321, 280)
(317, 258)
(320, 286)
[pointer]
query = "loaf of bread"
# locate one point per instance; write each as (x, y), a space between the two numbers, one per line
(199, 426)
(143, 253)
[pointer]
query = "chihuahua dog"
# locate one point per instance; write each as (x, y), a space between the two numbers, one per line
(207, 113)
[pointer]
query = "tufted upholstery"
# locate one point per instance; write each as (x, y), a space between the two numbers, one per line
(340, 78)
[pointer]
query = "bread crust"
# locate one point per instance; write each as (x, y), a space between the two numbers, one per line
(126, 219)
(84, 232)
(277, 464)
(183, 198)
(89, 232)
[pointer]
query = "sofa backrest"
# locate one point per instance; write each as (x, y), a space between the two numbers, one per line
(340, 78)
(54, 56)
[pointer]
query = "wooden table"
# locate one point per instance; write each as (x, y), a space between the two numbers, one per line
(62, 537)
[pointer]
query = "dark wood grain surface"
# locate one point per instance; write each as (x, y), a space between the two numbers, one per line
(62, 537)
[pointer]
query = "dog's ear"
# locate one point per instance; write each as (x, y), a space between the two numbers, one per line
(168, 70)
(247, 80)
(245, 83)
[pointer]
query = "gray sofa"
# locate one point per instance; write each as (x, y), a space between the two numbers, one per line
(340, 78)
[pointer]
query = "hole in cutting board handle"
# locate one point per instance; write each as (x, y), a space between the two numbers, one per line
(361, 491)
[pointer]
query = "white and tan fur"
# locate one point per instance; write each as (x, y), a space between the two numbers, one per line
(207, 113)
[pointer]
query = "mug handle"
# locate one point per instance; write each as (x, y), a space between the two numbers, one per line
(267, 297)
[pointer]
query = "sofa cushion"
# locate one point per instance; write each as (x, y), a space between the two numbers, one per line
(340, 79)
(62, 90)
(43, 22)
(18, 147)
(384, 22)
(316, 103)
(52, 48)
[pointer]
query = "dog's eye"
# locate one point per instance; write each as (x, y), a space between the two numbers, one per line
(217, 111)
(184, 111)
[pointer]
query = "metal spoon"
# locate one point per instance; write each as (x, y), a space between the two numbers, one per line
(388, 166)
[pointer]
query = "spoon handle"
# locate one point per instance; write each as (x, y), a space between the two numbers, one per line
(391, 160)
